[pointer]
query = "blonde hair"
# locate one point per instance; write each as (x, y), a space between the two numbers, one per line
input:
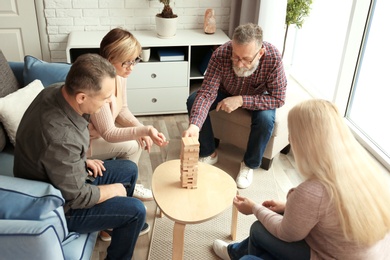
(118, 45)
(325, 149)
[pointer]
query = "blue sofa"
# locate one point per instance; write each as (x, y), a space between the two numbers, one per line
(32, 220)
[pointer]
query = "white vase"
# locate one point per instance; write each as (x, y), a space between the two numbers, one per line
(145, 54)
(166, 27)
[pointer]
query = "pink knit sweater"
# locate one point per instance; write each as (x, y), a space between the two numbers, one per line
(114, 122)
(308, 215)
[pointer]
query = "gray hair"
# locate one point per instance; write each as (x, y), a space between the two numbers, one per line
(87, 73)
(247, 33)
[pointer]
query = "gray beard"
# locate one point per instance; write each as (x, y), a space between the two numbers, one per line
(245, 72)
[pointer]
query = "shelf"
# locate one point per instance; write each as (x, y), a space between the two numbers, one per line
(76, 52)
(195, 73)
(147, 92)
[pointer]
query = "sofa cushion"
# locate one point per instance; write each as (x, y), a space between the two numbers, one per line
(13, 106)
(8, 81)
(79, 247)
(48, 73)
(3, 138)
(17, 68)
(26, 199)
(8, 84)
(7, 160)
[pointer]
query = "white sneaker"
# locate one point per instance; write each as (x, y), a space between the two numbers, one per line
(142, 193)
(245, 177)
(220, 249)
(209, 159)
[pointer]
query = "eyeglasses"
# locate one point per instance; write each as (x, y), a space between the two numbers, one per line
(129, 63)
(244, 60)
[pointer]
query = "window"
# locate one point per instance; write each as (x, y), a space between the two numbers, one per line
(368, 108)
(340, 55)
(319, 46)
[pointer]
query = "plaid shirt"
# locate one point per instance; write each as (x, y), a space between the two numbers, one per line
(264, 89)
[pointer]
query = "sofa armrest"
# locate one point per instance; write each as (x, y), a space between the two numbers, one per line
(80, 248)
(17, 68)
(22, 239)
(27, 199)
(36, 228)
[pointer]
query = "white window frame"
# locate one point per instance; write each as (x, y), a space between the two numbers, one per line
(355, 36)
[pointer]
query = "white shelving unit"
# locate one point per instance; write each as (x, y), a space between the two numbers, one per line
(156, 87)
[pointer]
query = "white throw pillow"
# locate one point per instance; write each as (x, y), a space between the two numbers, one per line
(13, 106)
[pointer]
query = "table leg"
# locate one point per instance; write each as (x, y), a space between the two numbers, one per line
(178, 241)
(159, 212)
(234, 223)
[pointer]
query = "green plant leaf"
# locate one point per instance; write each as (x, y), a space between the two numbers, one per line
(296, 11)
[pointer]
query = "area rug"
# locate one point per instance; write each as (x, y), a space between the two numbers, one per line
(200, 237)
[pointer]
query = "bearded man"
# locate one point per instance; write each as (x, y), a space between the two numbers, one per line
(244, 72)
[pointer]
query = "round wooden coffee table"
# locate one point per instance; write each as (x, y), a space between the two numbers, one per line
(214, 194)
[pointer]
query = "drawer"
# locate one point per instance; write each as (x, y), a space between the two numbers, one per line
(157, 100)
(158, 74)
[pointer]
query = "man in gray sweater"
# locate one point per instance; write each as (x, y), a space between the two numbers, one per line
(52, 140)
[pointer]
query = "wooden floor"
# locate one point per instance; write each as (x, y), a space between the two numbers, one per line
(172, 126)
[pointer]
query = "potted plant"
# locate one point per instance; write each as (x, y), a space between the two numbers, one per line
(166, 21)
(296, 11)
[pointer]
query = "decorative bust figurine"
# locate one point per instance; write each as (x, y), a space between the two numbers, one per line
(209, 25)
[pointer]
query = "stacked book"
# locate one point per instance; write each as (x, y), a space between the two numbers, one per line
(170, 54)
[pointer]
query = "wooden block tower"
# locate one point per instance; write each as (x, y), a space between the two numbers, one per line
(189, 162)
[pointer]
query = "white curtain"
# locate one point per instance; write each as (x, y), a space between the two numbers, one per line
(269, 14)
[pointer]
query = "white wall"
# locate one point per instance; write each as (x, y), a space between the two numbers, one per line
(273, 26)
(64, 16)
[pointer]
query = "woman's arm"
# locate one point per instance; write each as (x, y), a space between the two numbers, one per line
(103, 123)
(125, 117)
(300, 216)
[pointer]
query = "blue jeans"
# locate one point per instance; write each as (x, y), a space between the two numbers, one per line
(125, 215)
(264, 245)
(261, 129)
(250, 257)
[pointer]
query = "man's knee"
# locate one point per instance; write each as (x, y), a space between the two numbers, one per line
(126, 164)
(138, 206)
(121, 167)
(265, 116)
(127, 208)
(129, 166)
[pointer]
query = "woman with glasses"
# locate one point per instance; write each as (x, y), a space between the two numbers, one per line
(339, 211)
(244, 72)
(114, 131)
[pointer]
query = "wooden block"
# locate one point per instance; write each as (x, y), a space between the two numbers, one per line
(189, 180)
(190, 141)
(188, 164)
(189, 156)
(190, 187)
(189, 170)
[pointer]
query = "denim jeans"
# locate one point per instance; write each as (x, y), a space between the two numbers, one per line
(125, 215)
(264, 245)
(261, 129)
(250, 257)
